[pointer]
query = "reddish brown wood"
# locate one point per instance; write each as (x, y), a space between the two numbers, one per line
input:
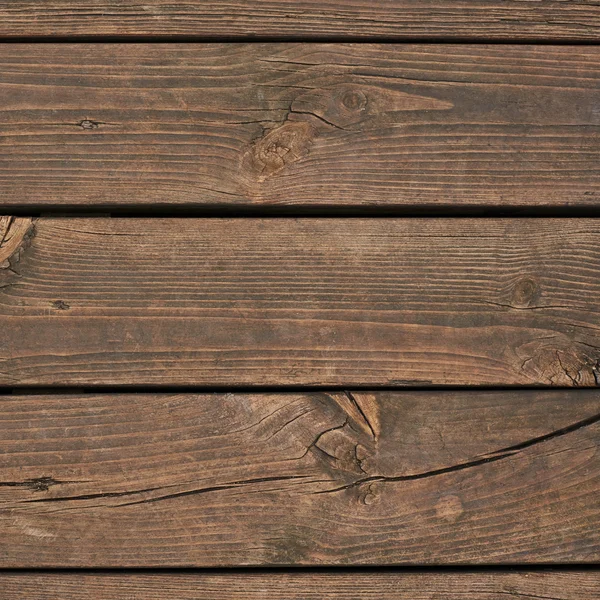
(304, 478)
(344, 302)
(423, 19)
(302, 125)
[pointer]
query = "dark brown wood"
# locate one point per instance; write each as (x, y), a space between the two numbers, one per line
(304, 478)
(305, 125)
(522, 585)
(344, 302)
(406, 19)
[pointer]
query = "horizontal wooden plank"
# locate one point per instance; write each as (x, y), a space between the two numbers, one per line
(304, 478)
(303, 125)
(344, 302)
(522, 585)
(425, 19)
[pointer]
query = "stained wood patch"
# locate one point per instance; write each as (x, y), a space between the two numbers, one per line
(425, 19)
(303, 125)
(300, 479)
(523, 585)
(345, 302)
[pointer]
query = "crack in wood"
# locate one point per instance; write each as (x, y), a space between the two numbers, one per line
(500, 454)
(362, 413)
(43, 483)
(216, 488)
(37, 484)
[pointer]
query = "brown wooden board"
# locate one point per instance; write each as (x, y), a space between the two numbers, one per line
(405, 19)
(303, 478)
(343, 302)
(300, 125)
(521, 585)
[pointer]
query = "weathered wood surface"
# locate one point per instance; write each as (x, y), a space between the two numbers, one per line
(306, 125)
(574, 20)
(522, 585)
(302, 478)
(345, 302)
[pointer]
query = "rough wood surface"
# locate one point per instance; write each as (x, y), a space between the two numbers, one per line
(344, 302)
(372, 585)
(303, 478)
(423, 19)
(306, 125)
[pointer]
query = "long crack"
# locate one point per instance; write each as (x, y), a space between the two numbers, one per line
(216, 488)
(500, 454)
(42, 484)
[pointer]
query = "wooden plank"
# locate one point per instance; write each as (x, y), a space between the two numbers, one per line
(303, 125)
(343, 302)
(304, 478)
(404, 19)
(522, 585)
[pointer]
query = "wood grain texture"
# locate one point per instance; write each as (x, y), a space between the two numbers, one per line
(303, 125)
(303, 478)
(521, 585)
(573, 20)
(344, 302)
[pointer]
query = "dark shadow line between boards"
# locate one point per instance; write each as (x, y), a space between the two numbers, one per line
(301, 569)
(276, 389)
(583, 40)
(299, 212)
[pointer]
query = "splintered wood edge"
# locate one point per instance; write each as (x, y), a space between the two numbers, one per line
(14, 234)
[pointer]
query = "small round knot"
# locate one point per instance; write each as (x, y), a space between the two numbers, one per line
(354, 100)
(524, 292)
(281, 147)
(370, 496)
(60, 305)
